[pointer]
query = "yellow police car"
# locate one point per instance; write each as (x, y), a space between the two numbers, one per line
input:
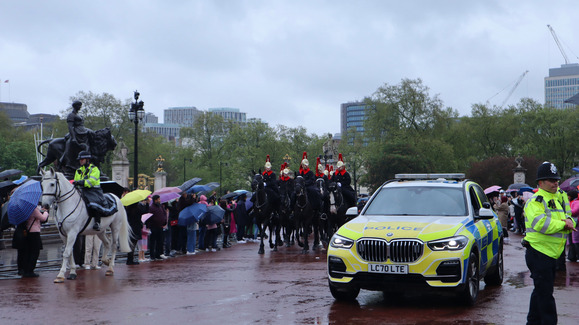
(419, 231)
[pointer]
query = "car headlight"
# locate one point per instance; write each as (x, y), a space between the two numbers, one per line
(341, 242)
(451, 244)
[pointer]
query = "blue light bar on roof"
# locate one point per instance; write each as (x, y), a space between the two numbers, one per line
(430, 176)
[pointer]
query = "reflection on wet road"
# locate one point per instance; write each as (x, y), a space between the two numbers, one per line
(238, 286)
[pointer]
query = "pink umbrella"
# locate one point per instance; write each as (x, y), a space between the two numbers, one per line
(168, 190)
(145, 216)
(167, 196)
(494, 188)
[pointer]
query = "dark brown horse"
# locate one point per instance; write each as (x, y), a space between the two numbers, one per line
(262, 211)
(305, 216)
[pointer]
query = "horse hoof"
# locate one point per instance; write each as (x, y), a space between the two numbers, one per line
(305, 251)
(59, 280)
(106, 262)
(271, 245)
(275, 249)
(71, 277)
(261, 251)
(109, 273)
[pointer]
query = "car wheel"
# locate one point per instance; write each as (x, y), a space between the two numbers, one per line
(495, 277)
(471, 283)
(344, 294)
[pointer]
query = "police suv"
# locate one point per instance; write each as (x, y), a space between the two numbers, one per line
(419, 231)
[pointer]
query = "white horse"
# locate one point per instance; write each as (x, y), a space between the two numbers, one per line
(72, 217)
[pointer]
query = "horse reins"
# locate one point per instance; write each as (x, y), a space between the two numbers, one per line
(60, 199)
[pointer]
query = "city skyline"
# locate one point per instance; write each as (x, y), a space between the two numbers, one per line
(286, 62)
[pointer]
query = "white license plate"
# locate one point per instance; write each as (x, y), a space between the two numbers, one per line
(388, 268)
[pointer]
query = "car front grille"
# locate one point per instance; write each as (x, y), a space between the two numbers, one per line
(398, 251)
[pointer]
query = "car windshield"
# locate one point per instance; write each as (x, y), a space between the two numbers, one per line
(418, 201)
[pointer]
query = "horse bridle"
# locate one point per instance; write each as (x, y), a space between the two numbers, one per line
(59, 199)
(258, 188)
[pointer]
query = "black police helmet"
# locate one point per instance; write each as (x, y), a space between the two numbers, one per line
(547, 170)
(84, 155)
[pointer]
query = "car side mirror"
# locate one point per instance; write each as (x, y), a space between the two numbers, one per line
(486, 205)
(485, 213)
(352, 212)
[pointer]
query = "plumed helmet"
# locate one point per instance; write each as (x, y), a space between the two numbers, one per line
(547, 170)
(267, 162)
(84, 155)
(286, 171)
(305, 161)
(340, 161)
(319, 166)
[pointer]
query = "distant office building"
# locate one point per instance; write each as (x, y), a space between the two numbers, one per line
(229, 114)
(561, 84)
(169, 131)
(18, 113)
(151, 118)
(183, 116)
(352, 117)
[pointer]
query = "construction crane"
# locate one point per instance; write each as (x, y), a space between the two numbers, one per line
(558, 44)
(514, 87)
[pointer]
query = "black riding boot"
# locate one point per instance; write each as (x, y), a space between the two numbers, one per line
(97, 222)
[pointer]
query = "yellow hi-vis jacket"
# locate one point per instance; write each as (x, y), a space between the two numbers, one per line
(544, 222)
(90, 174)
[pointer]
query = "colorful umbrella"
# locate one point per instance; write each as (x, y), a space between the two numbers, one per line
(188, 184)
(199, 189)
(214, 214)
(21, 180)
(23, 201)
(168, 190)
(9, 173)
(192, 213)
(145, 217)
(168, 196)
(494, 188)
(134, 197)
(570, 183)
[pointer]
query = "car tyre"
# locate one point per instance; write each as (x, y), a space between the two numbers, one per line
(495, 278)
(471, 284)
(344, 294)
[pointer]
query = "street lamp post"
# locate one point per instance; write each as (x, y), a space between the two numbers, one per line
(136, 114)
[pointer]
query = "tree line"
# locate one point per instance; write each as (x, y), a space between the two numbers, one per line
(407, 130)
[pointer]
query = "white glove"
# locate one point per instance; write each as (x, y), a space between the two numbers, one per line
(339, 184)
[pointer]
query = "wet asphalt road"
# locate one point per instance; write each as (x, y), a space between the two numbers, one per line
(238, 286)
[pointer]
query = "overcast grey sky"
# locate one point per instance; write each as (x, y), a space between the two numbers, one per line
(286, 62)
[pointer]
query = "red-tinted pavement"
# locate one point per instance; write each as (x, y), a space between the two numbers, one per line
(238, 286)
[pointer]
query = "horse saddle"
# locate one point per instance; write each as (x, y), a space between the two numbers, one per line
(106, 207)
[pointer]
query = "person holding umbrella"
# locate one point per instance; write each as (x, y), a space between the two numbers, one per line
(32, 244)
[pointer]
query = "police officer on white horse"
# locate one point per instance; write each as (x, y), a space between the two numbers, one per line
(87, 178)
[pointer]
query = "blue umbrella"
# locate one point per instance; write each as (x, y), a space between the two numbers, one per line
(248, 203)
(21, 180)
(525, 189)
(23, 201)
(187, 185)
(199, 188)
(192, 213)
(214, 214)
